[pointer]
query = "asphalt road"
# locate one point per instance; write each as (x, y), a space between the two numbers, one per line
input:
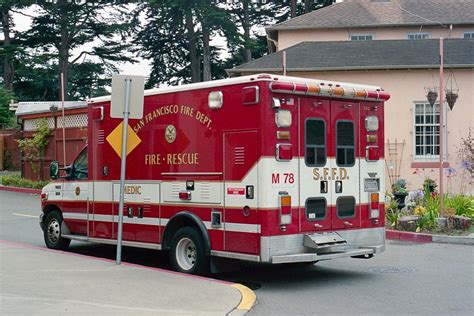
(408, 278)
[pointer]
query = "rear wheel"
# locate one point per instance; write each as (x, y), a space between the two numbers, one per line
(188, 252)
(52, 232)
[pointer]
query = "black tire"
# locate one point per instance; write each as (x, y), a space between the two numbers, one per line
(188, 253)
(52, 232)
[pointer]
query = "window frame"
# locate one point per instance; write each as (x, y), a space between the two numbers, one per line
(315, 147)
(75, 174)
(414, 34)
(359, 35)
(325, 209)
(471, 34)
(424, 157)
(345, 147)
(337, 206)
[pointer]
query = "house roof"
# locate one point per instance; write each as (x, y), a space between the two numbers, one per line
(371, 13)
(362, 55)
(26, 108)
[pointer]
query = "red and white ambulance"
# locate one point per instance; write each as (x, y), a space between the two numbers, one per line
(261, 168)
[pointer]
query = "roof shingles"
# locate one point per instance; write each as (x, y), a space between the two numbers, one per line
(353, 55)
(369, 13)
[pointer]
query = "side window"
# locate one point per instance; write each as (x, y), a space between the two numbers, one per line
(345, 143)
(345, 206)
(315, 209)
(315, 142)
(79, 167)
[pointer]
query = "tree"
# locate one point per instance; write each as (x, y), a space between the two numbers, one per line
(9, 46)
(177, 36)
(64, 26)
(34, 148)
(7, 118)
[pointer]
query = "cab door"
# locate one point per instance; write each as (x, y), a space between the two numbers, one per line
(314, 165)
(345, 166)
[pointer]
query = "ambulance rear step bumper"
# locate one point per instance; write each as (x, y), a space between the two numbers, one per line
(320, 241)
(313, 257)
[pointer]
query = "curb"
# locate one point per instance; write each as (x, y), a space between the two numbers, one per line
(426, 238)
(248, 296)
(247, 301)
(20, 190)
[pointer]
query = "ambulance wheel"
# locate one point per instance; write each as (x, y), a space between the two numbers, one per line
(188, 252)
(52, 232)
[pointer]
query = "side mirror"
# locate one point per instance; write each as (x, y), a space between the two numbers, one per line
(54, 170)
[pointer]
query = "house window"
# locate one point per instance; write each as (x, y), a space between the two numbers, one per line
(418, 35)
(469, 34)
(362, 37)
(426, 131)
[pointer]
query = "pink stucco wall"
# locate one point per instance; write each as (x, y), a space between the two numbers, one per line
(287, 38)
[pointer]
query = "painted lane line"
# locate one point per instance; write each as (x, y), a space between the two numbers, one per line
(25, 215)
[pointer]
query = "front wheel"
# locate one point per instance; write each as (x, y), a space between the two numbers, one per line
(52, 232)
(188, 252)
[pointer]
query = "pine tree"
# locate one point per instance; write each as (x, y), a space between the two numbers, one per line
(58, 28)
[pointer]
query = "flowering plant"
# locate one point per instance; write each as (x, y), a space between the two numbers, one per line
(400, 187)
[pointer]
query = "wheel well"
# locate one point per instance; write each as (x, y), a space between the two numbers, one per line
(183, 219)
(49, 208)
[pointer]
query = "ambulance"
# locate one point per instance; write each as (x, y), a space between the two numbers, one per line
(261, 168)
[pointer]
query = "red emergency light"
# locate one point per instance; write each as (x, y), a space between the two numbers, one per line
(284, 152)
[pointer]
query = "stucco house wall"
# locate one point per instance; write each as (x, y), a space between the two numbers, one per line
(288, 38)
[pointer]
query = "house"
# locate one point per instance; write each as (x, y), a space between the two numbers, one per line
(394, 44)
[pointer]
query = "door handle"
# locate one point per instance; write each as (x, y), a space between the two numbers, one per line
(338, 186)
(348, 224)
(318, 225)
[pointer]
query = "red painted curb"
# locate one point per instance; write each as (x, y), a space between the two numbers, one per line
(408, 236)
(20, 190)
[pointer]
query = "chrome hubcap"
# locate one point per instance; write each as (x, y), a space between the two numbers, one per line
(53, 230)
(186, 253)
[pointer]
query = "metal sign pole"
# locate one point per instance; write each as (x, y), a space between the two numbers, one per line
(123, 167)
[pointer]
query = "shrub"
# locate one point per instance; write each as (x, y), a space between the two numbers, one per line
(463, 205)
(17, 181)
(392, 213)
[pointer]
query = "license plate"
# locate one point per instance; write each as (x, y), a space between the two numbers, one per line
(371, 185)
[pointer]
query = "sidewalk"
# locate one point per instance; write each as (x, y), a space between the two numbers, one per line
(35, 280)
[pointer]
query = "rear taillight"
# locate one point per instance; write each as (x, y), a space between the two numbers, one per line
(284, 152)
(372, 153)
(284, 205)
(374, 205)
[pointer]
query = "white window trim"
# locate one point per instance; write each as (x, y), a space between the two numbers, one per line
(428, 158)
(468, 32)
(418, 33)
(361, 34)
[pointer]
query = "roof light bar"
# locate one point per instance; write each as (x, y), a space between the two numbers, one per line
(323, 89)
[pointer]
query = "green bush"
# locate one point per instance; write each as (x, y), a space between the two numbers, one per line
(462, 205)
(392, 213)
(17, 181)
